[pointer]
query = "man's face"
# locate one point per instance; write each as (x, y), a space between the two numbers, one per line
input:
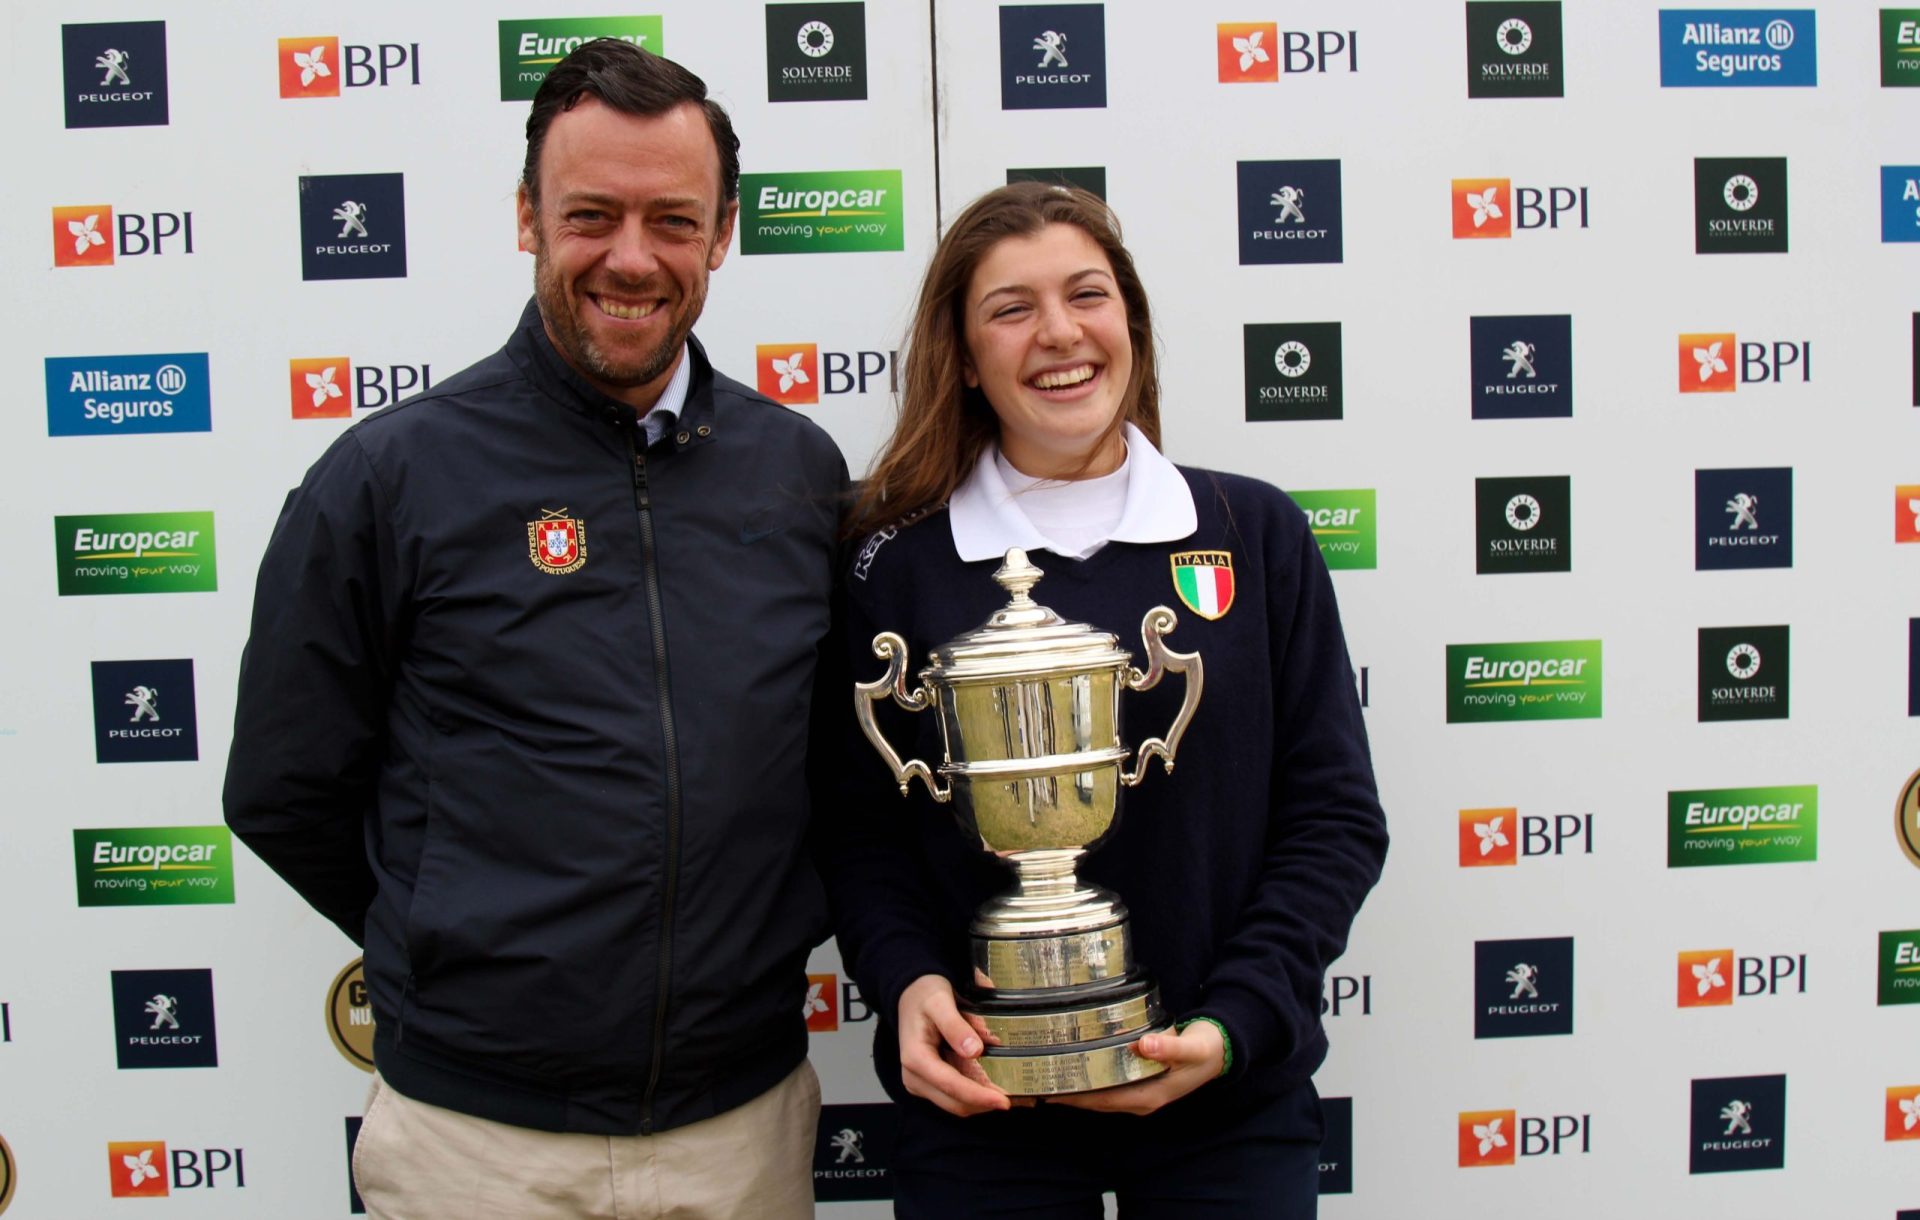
(628, 227)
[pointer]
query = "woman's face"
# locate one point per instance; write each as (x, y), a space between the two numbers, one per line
(1047, 344)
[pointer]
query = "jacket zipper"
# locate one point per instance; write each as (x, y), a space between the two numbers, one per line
(643, 506)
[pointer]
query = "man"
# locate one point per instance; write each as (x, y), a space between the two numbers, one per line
(526, 707)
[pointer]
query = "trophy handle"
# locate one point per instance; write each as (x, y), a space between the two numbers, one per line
(1161, 660)
(890, 648)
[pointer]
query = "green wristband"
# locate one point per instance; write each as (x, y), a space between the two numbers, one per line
(1226, 1043)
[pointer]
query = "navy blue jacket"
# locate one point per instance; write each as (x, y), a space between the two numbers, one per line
(1242, 870)
(563, 811)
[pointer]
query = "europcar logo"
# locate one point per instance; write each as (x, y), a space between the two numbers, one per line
(822, 213)
(1522, 366)
(853, 1152)
(1899, 47)
(816, 52)
(1500, 837)
(115, 73)
(1523, 988)
(530, 49)
(135, 553)
(1900, 967)
(334, 387)
(1744, 673)
(1523, 524)
(1705, 48)
(319, 66)
(1715, 826)
(1514, 50)
(1289, 211)
(1494, 207)
(353, 226)
(1053, 56)
(89, 235)
(1544, 680)
(350, 1016)
(1740, 205)
(1711, 978)
(1344, 525)
(1738, 1123)
(1090, 178)
(153, 866)
(109, 395)
(1293, 371)
(1743, 518)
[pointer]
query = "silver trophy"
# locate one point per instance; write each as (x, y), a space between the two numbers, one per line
(1030, 725)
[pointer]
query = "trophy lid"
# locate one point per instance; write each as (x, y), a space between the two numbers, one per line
(1023, 637)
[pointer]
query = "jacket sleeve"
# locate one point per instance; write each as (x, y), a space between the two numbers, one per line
(310, 717)
(1326, 834)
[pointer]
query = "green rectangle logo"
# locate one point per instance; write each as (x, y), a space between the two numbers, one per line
(1900, 967)
(1343, 524)
(153, 866)
(529, 49)
(1713, 826)
(846, 211)
(1538, 680)
(135, 553)
(1899, 47)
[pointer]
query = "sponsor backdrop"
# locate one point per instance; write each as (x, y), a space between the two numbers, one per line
(1466, 278)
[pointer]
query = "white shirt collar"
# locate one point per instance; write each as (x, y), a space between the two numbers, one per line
(986, 519)
(672, 400)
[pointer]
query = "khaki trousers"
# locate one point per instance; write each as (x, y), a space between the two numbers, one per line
(416, 1161)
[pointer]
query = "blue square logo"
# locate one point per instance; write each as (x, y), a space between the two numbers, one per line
(115, 73)
(1523, 988)
(353, 227)
(1053, 56)
(117, 395)
(1522, 366)
(143, 712)
(164, 1019)
(1748, 47)
(1743, 518)
(1900, 203)
(1738, 1123)
(1290, 212)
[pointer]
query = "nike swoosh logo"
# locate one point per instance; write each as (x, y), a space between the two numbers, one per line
(751, 535)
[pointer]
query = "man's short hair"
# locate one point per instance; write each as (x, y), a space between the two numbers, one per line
(633, 81)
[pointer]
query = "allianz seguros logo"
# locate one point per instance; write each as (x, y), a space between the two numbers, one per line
(108, 395)
(1738, 1123)
(115, 73)
(1740, 205)
(816, 52)
(1708, 48)
(349, 1016)
(1743, 518)
(1344, 525)
(1743, 673)
(135, 553)
(1899, 203)
(353, 226)
(1514, 50)
(143, 711)
(1708, 827)
(1899, 47)
(1293, 371)
(530, 48)
(1539, 680)
(164, 1019)
(1523, 988)
(838, 211)
(1289, 211)
(153, 866)
(1053, 56)
(1522, 366)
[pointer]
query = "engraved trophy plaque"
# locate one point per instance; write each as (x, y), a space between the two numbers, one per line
(1029, 713)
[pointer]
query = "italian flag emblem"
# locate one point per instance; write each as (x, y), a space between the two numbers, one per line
(1204, 581)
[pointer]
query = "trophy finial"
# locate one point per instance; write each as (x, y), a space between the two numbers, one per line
(1017, 576)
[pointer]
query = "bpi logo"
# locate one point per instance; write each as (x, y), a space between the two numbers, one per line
(140, 1168)
(318, 67)
(1523, 524)
(1743, 518)
(1514, 50)
(796, 374)
(1293, 371)
(816, 52)
(1053, 56)
(164, 1019)
(1494, 1137)
(1704, 48)
(822, 1006)
(1738, 1123)
(1259, 52)
(1744, 673)
(1711, 978)
(1289, 211)
(331, 387)
(1522, 366)
(1903, 1112)
(89, 236)
(1906, 512)
(1740, 205)
(1499, 838)
(1347, 995)
(1490, 207)
(353, 227)
(1523, 988)
(143, 711)
(853, 1153)
(116, 73)
(1717, 363)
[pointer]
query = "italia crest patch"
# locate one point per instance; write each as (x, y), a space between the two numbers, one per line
(557, 543)
(1204, 581)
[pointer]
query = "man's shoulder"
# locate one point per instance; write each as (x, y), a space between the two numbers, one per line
(743, 406)
(492, 381)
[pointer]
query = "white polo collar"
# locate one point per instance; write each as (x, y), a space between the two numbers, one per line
(986, 519)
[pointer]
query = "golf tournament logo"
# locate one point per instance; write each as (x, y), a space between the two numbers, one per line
(843, 211)
(9, 1176)
(115, 73)
(1523, 525)
(153, 866)
(1522, 366)
(816, 52)
(1543, 680)
(1344, 525)
(530, 49)
(1709, 827)
(350, 1016)
(135, 553)
(1740, 205)
(1514, 50)
(1293, 371)
(1906, 818)
(1743, 673)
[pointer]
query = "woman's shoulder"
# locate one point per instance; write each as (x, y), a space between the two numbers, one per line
(917, 537)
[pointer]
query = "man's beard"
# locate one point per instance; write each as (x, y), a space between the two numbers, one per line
(562, 316)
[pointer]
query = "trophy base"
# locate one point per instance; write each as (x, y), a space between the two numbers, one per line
(1041, 1045)
(1081, 1069)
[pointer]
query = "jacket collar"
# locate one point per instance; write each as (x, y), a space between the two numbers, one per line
(986, 518)
(534, 353)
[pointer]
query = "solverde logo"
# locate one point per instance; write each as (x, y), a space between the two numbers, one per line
(1540, 680)
(821, 213)
(1343, 525)
(135, 553)
(1900, 967)
(1743, 826)
(153, 866)
(528, 49)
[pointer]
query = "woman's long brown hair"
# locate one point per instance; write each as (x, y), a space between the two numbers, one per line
(944, 424)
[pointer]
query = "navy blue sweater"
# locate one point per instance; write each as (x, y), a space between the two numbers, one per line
(1243, 869)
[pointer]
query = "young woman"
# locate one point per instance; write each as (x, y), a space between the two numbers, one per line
(1031, 418)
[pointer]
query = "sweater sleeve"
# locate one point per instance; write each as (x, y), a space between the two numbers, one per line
(1326, 833)
(310, 717)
